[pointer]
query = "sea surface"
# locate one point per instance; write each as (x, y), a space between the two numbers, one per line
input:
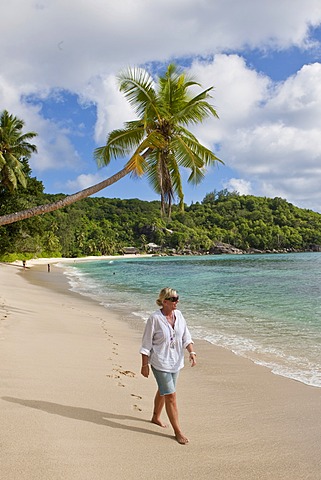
(266, 308)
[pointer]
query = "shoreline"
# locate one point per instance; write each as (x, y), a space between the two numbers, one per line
(128, 316)
(74, 403)
(284, 369)
(53, 260)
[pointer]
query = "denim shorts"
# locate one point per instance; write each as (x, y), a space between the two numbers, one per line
(166, 381)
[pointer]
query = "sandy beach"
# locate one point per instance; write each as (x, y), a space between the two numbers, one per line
(74, 406)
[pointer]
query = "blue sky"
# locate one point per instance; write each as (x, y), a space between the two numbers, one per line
(263, 59)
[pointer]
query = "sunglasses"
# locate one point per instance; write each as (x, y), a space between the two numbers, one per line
(172, 299)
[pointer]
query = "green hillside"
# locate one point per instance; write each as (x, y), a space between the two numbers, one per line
(103, 226)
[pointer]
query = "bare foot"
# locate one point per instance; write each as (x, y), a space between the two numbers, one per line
(158, 422)
(181, 439)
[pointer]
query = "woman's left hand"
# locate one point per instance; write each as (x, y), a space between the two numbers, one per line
(145, 370)
(192, 358)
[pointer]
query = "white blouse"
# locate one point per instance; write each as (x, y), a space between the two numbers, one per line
(164, 345)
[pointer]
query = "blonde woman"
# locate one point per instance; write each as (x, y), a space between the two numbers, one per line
(164, 340)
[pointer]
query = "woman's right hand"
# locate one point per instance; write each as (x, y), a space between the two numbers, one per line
(145, 371)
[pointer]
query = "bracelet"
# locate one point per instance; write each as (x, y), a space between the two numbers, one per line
(145, 365)
(192, 353)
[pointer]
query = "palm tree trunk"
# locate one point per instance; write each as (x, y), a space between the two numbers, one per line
(50, 207)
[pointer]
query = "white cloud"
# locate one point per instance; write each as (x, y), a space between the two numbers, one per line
(112, 108)
(60, 155)
(243, 187)
(55, 149)
(65, 44)
(238, 92)
(84, 181)
(298, 99)
(268, 133)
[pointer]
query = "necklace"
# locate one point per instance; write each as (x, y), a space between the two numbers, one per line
(170, 318)
(170, 321)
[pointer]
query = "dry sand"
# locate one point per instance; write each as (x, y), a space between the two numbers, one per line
(74, 406)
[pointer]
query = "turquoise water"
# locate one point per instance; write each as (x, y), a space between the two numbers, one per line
(266, 308)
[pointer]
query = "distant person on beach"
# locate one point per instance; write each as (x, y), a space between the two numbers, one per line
(24, 264)
(164, 340)
(48, 267)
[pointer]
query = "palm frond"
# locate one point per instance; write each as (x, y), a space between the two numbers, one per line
(14, 147)
(196, 176)
(21, 178)
(2, 160)
(23, 140)
(137, 86)
(152, 172)
(137, 165)
(177, 181)
(189, 150)
(195, 113)
(13, 161)
(119, 144)
(11, 179)
(172, 90)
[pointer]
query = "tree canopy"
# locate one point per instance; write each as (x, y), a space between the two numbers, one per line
(15, 147)
(160, 139)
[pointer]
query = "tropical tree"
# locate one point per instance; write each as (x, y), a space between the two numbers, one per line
(158, 142)
(14, 147)
(160, 138)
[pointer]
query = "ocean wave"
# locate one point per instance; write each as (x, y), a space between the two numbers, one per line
(277, 361)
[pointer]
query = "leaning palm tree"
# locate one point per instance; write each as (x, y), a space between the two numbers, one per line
(158, 142)
(14, 147)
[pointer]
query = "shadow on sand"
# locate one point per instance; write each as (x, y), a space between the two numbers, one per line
(84, 414)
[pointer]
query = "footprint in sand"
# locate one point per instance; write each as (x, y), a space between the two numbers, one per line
(136, 407)
(136, 396)
(127, 373)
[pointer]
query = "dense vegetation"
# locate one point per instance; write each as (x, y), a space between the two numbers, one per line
(103, 226)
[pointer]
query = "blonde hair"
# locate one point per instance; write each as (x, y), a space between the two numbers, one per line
(164, 294)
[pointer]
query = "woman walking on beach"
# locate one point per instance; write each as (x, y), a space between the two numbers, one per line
(164, 340)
